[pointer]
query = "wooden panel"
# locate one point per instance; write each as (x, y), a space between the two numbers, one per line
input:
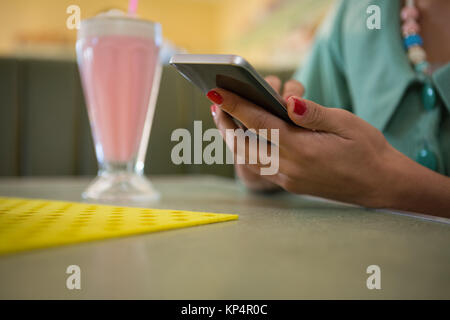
(9, 111)
(47, 118)
(44, 127)
(86, 162)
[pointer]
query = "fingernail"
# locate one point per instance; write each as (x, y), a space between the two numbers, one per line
(299, 106)
(213, 110)
(215, 97)
(287, 98)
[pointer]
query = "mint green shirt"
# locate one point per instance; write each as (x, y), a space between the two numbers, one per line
(368, 72)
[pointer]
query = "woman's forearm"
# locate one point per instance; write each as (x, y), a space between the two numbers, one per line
(334, 154)
(415, 188)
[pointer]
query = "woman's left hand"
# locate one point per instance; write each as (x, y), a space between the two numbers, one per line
(331, 153)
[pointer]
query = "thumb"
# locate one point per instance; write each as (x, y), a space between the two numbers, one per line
(311, 115)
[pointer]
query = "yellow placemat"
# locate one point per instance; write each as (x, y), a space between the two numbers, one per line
(30, 224)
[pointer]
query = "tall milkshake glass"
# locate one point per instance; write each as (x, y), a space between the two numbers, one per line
(120, 72)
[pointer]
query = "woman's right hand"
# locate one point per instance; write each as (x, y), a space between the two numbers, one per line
(249, 175)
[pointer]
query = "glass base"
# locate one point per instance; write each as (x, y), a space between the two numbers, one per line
(121, 187)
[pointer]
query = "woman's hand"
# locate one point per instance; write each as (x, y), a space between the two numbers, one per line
(335, 154)
(247, 174)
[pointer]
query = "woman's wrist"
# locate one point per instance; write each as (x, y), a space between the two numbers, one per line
(411, 187)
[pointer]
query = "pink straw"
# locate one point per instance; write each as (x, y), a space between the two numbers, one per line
(132, 7)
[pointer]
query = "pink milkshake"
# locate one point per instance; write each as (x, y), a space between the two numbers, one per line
(117, 73)
(120, 72)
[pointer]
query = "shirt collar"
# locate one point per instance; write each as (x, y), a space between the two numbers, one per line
(384, 74)
(441, 79)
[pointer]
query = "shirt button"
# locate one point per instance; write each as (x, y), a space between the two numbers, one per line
(427, 158)
(428, 96)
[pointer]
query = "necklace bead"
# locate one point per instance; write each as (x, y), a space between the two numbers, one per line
(409, 13)
(410, 27)
(422, 67)
(416, 55)
(413, 40)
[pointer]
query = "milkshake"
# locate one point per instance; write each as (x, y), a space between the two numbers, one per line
(120, 72)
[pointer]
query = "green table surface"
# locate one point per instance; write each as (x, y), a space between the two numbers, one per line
(282, 247)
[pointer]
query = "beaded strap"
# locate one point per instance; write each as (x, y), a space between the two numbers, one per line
(416, 54)
(413, 41)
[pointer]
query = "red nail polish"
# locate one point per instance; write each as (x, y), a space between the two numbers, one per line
(299, 106)
(213, 109)
(215, 97)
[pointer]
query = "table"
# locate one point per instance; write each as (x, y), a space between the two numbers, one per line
(282, 247)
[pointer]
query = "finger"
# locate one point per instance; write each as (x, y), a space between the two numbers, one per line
(228, 129)
(274, 82)
(293, 88)
(222, 120)
(251, 115)
(247, 148)
(311, 115)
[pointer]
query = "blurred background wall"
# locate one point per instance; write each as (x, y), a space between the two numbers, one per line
(44, 128)
(267, 32)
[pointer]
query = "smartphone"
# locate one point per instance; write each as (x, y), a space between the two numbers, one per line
(232, 73)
